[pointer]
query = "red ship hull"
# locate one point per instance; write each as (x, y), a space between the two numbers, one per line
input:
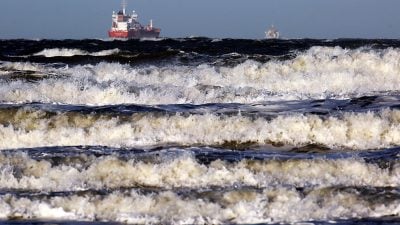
(134, 34)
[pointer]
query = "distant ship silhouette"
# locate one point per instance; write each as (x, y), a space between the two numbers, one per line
(272, 33)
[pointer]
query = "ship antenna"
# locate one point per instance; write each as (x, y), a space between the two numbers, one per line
(124, 4)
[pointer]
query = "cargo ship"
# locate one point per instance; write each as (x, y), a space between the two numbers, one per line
(272, 33)
(126, 26)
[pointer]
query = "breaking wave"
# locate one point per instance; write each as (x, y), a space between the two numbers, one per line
(87, 172)
(215, 207)
(321, 72)
(64, 52)
(356, 131)
(200, 131)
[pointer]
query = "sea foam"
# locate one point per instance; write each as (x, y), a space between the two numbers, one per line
(65, 52)
(358, 131)
(86, 172)
(320, 72)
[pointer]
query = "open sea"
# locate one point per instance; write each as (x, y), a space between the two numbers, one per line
(200, 131)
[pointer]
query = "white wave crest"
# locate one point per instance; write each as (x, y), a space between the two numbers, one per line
(167, 207)
(22, 66)
(64, 52)
(356, 131)
(321, 72)
(186, 172)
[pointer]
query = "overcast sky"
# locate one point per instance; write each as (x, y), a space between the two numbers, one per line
(59, 19)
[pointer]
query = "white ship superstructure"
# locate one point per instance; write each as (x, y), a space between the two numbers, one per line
(272, 33)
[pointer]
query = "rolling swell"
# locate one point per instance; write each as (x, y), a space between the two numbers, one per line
(200, 131)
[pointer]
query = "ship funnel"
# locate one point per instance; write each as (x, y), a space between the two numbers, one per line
(123, 5)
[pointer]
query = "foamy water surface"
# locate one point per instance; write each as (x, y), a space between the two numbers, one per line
(200, 131)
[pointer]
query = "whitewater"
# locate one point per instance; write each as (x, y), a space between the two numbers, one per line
(200, 131)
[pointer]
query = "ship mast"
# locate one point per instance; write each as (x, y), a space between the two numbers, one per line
(124, 4)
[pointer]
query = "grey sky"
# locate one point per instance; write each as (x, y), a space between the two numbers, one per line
(60, 19)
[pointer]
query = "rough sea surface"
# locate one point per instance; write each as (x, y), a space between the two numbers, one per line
(200, 131)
